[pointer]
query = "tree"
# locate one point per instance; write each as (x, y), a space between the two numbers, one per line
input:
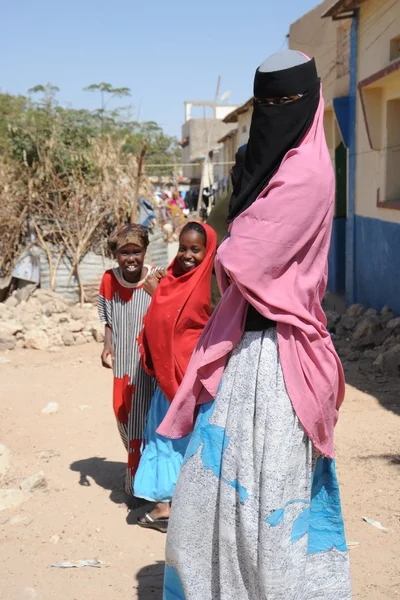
(106, 90)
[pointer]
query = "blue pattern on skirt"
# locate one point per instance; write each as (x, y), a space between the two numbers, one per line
(162, 458)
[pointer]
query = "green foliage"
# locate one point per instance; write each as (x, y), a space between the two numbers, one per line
(29, 125)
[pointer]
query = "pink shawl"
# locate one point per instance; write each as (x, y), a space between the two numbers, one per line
(276, 258)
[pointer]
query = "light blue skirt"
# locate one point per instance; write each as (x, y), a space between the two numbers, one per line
(162, 458)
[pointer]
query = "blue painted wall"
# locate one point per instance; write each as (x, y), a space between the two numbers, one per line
(377, 263)
(337, 257)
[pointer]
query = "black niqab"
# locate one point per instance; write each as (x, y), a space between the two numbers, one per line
(275, 129)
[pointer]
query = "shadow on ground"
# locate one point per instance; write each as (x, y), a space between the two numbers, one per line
(393, 459)
(107, 474)
(150, 582)
(385, 388)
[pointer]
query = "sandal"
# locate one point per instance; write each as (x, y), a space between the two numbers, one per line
(160, 525)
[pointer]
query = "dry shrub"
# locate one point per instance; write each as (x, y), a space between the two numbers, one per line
(13, 209)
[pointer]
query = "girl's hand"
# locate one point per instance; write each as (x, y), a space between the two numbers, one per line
(107, 358)
(152, 281)
(160, 274)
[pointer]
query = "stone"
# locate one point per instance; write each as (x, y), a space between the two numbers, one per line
(12, 327)
(55, 338)
(20, 344)
(371, 312)
(385, 310)
(32, 307)
(389, 342)
(54, 539)
(53, 307)
(34, 482)
(353, 356)
(394, 325)
(51, 408)
(48, 454)
(355, 310)
(365, 332)
(78, 313)
(36, 339)
(371, 354)
(75, 326)
(332, 318)
(62, 317)
(29, 321)
(348, 322)
(7, 342)
(3, 310)
(45, 296)
(80, 340)
(12, 497)
(11, 302)
(23, 294)
(67, 338)
(4, 461)
(386, 317)
(389, 361)
(16, 520)
(97, 330)
(344, 351)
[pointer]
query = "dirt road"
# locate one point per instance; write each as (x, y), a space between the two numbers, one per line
(80, 515)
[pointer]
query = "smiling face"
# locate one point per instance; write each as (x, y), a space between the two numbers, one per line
(192, 250)
(130, 260)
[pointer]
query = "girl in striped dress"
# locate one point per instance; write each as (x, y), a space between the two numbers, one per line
(125, 295)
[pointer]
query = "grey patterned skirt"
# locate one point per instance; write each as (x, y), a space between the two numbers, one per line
(254, 516)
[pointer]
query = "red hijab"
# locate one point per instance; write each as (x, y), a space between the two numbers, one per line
(179, 310)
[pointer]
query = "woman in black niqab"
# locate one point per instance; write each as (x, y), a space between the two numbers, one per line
(285, 102)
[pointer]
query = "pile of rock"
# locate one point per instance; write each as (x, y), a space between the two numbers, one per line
(367, 334)
(44, 320)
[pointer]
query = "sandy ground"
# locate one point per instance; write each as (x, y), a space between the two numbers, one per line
(81, 514)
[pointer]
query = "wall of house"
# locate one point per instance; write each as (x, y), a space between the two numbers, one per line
(327, 42)
(377, 228)
(203, 134)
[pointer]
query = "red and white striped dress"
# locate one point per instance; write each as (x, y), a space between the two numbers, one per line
(122, 306)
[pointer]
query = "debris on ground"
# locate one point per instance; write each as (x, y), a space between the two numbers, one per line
(79, 564)
(37, 481)
(51, 408)
(48, 454)
(375, 524)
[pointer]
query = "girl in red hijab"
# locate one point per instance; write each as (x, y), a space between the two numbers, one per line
(179, 310)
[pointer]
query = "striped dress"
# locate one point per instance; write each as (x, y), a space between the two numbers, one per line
(122, 306)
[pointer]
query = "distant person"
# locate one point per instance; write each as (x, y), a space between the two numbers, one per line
(256, 514)
(179, 310)
(122, 304)
(176, 198)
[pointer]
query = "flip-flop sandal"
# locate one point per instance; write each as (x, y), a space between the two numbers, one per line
(160, 525)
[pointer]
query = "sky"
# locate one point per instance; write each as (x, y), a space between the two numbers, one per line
(166, 52)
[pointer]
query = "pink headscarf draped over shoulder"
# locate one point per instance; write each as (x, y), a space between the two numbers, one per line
(276, 258)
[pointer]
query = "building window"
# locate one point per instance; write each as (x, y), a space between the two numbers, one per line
(393, 151)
